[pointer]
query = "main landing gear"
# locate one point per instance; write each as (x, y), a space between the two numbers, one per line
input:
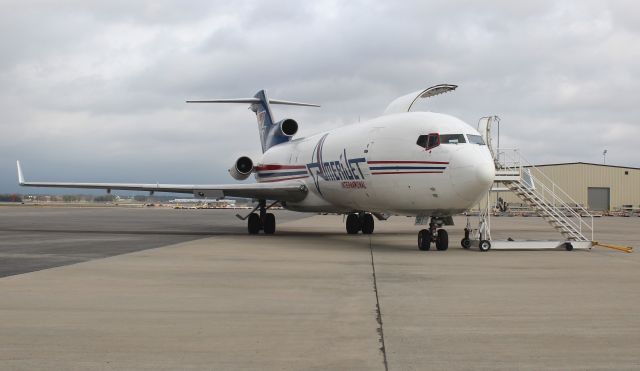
(360, 222)
(434, 234)
(261, 221)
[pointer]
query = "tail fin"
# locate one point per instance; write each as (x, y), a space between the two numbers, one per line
(264, 116)
(261, 105)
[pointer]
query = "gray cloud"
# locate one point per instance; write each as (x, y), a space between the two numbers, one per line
(95, 90)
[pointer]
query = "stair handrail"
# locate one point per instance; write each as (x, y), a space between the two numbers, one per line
(505, 159)
(543, 202)
(555, 214)
(517, 160)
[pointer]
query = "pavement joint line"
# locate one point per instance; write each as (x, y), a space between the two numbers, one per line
(380, 329)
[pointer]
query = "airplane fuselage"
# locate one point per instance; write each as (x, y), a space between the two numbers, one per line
(379, 166)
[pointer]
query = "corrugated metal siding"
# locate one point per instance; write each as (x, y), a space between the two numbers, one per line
(575, 179)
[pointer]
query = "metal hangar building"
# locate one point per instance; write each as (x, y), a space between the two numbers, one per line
(597, 187)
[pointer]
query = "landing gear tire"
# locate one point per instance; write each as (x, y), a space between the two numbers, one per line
(253, 223)
(424, 240)
(568, 246)
(353, 224)
(466, 243)
(367, 224)
(269, 223)
(485, 245)
(442, 240)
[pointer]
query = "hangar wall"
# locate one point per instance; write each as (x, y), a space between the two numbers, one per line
(576, 179)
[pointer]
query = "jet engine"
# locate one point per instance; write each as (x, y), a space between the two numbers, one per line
(242, 168)
(288, 127)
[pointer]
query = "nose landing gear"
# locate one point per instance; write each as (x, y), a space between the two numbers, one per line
(466, 241)
(433, 234)
(360, 222)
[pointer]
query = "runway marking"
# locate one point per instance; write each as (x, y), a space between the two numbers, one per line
(383, 349)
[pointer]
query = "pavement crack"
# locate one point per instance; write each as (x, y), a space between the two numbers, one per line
(380, 329)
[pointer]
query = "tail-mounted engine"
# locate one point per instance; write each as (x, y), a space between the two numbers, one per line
(288, 127)
(242, 168)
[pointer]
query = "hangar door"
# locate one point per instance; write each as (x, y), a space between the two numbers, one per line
(598, 198)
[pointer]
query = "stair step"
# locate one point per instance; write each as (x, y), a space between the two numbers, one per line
(566, 227)
(545, 206)
(562, 224)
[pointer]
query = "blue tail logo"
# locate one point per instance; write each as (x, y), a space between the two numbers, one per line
(265, 122)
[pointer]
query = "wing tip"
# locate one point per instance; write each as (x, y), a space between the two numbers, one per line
(20, 175)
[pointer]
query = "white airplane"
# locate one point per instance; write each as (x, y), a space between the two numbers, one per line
(422, 164)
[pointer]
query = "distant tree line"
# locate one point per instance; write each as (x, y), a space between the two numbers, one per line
(10, 198)
(105, 198)
(7, 197)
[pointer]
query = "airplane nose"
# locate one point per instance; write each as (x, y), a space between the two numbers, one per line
(485, 173)
(472, 174)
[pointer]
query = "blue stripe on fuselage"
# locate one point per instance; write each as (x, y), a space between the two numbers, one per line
(288, 173)
(407, 168)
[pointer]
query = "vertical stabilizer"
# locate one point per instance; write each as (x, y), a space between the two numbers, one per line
(264, 116)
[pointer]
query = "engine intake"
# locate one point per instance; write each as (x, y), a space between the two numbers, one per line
(288, 127)
(242, 168)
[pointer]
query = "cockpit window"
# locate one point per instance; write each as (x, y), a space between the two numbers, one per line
(475, 139)
(452, 138)
(429, 141)
(422, 141)
(433, 140)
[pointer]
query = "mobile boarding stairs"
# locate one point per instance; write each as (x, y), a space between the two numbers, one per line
(514, 173)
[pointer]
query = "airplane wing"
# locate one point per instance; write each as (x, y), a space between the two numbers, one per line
(282, 191)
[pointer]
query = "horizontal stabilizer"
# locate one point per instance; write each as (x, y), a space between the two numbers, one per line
(268, 128)
(288, 103)
(252, 101)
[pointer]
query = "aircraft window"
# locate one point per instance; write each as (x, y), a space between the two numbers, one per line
(433, 140)
(429, 141)
(452, 138)
(422, 141)
(475, 139)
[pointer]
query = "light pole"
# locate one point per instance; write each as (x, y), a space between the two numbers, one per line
(604, 157)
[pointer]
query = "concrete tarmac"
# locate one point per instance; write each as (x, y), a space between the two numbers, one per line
(34, 238)
(312, 297)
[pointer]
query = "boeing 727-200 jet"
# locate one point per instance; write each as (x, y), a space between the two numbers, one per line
(422, 164)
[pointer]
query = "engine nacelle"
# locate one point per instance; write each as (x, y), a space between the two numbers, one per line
(242, 168)
(288, 127)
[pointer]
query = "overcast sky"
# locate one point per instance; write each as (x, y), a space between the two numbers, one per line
(95, 90)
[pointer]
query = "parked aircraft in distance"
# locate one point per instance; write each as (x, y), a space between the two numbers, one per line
(422, 164)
